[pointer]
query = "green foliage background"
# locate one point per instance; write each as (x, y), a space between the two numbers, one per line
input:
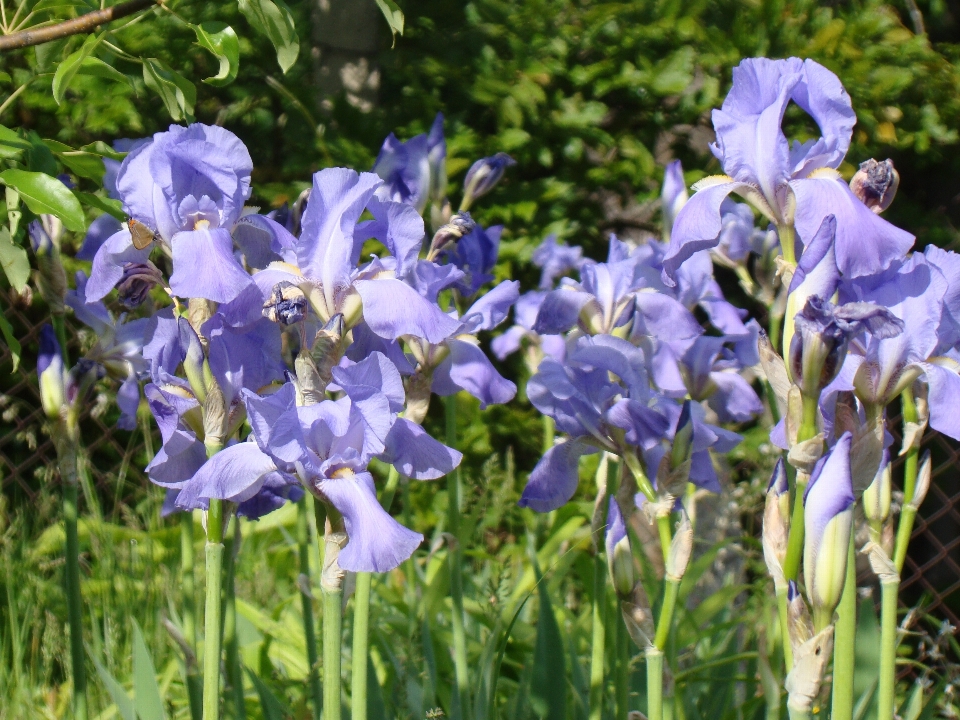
(592, 99)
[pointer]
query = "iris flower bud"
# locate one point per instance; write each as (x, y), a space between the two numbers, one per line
(673, 196)
(828, 520)
(680, 549)
(50, 373)
(875, 184)
(482, 176)
(51, 278)
(876, 498)
(455, 228)
(137, 282)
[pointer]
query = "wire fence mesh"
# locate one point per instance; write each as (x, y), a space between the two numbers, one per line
(115, 461)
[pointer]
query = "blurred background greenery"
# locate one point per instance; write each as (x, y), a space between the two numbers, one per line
(592, 99)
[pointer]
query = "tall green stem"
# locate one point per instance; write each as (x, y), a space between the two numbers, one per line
(622, 676)
(784, 627)
(654, 683)
(361, 633)
(909, 513)
(549, 432)
(455, 557)
(306, 604)
(665, 621)
(844, 642)
(211, 619)
(68, 474)
(888, 649)
(598, 639)
(187, 562)
(230, 642)
(332, 633)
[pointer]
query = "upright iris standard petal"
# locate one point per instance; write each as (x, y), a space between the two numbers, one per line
(405, 168)
(555, 478)
(276, 426)
(325, 249)
(376, 542)
(554, 259)
(673, 195)
(399, 227)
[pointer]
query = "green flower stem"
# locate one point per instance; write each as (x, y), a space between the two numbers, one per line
(663, 527)
(784, 627)
(361, 634)
(797, 714)
(361, 618)
(455, 557)
(60, 330)
(886, 687)
(187, 563)
(788, 239)
(332, 633)
(908, 514)
(211, 620)
(230, 642)
(844, 642)
(664, 623)
(622, 677)
(67, 452)
(549, 432)
(808, 429)
(309, 629)
(654, 683)
(598, 639)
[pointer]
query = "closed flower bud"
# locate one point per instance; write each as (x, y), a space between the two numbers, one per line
(50, 373)
(137, 282)
(828, 520)
(875, 184)
(455, 228)
(683, 437)
(483, 175)
(876, 498)
(622, 569)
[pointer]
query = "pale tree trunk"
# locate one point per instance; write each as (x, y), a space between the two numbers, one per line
(346, 36)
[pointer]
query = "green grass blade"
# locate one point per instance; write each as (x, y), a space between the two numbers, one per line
(116, 692)
(549, 668)
(147, 698)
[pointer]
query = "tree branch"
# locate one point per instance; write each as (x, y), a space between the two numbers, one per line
(82, 24)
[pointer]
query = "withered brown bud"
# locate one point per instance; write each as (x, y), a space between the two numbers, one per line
(876, 184)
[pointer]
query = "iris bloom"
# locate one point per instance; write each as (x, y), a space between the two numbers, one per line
(185, 188)
(327, 447)
(414, 172)
(879, 368)
(794, 186)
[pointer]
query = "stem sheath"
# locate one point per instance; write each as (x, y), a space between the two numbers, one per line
(332, 633)
(654, 683)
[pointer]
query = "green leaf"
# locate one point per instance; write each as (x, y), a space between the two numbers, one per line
(272, 708)
(98, 68)
(7, 329)
(55, 4)
(49, 53)
(549, 669)
(393, 15)
(84, 164)
(220, 39)
(14, 261)
(103, 150)
(107, 205)
(117, 693)
(276, 22)
(147, 698)
(5, 77)
(67, 70)
(178, 93)
(11, 144)
(910, 710)
(45, 194)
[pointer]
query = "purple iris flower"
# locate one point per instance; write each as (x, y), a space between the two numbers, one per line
(482, 176)
(327, 447)
(186, 187)
(555, 259)
(525, 315)
(475, 254)
(711, 372)
(322, 262)
(118, 349)
(794, 186)
(880, 367)
(414, 172)
(594, 410)
(612, 294)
